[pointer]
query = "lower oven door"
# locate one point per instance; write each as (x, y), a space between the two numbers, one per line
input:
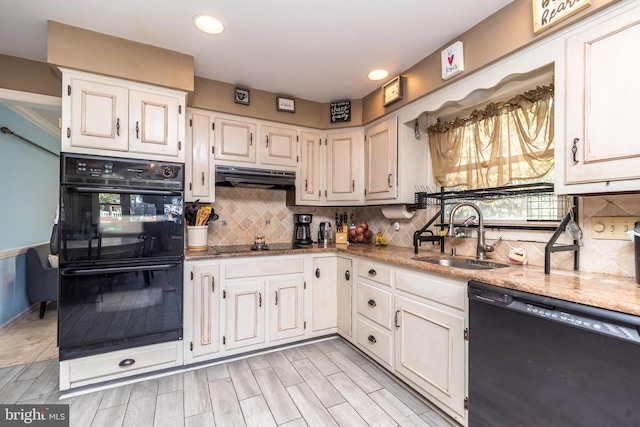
(119, 306)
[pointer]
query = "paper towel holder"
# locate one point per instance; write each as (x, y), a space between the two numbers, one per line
(398, 211)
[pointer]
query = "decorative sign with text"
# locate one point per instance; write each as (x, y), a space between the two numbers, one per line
(549, 12)
(452, 59)
(340, 111)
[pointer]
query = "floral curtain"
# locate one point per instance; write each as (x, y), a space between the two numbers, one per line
(505, 143)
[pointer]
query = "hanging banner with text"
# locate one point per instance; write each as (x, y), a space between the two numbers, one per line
(549, 12)
(340, 111)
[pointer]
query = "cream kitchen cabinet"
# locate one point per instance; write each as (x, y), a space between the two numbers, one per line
(199, 169)
(381, 161)
(331, 294)
(429, 338)
(309, 174)
(374, 308)
(259, 289)
(344, 181)
(245, 313)
(102, 115)
(286, 311)
(330, 173)
(600, 142)
(279, 146)
(235, 140)
(202, 310)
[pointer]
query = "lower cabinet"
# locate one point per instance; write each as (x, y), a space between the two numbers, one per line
(331, 294)
(205, 312)
(244, 307)
(286, 311)
(120, 364)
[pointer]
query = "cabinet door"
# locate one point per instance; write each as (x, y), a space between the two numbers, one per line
(345, 305)
(244, 314)
(199, 178)
(206, 309)
(309, 185)
(153, 120)
(286, 314)
(324, 293)
(344, 155)
(234, 140)
(279, 146)
(381, 161)
(99, 115)
(429, 350)
(601, 100)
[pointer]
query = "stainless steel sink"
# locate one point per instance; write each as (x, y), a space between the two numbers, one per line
(467, 263)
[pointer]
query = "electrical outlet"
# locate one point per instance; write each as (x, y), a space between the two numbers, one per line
(612, 227)
(267, 222)
(224, 222)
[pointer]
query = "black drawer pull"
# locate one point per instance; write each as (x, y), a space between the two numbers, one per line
(372, 303)
(347, 275)
(372, 272)
(372, 339)
(318, 273)
(126, 362)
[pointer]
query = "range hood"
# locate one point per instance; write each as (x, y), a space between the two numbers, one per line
(235, 176)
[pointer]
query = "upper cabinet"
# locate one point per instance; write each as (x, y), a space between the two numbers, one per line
(344, 182)
(601, 150)
(250, 143)
(102, 115)
(279, 146)
(308, 177)
(381, 161)
(199, 176)
(235, 140)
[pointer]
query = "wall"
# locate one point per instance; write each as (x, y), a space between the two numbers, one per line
(30, 196)
(247, 210)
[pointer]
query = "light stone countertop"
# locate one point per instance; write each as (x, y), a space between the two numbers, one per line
(616, 293)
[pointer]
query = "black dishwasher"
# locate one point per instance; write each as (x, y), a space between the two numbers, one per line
(538, 361)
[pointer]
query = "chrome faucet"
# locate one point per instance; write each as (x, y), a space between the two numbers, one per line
(482, 248)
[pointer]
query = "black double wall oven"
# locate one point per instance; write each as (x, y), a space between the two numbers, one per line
(121, 254)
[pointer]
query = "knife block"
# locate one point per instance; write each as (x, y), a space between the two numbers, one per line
(341, 238)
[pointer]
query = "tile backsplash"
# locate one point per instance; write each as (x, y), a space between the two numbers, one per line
(249, 212)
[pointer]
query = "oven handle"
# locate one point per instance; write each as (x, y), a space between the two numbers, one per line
(122, 190)
(90, 271)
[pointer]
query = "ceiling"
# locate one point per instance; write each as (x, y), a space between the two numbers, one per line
(320, 51)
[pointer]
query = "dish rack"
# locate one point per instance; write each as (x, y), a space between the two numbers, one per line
(538, 209)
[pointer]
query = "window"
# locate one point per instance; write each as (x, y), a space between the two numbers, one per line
(505, 144)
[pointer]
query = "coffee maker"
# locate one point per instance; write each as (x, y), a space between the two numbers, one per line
(302, 229)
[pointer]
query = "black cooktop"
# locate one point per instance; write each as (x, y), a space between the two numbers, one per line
(250, 247)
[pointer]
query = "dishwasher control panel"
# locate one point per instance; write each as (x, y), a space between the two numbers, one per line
(626, 333)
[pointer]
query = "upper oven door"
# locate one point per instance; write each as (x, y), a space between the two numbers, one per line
(106, 225)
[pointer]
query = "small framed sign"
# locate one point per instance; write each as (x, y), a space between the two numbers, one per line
(452, 59)
(286, 104)
(241, 96)
(547, 13)
(340, 111)
(392, 91)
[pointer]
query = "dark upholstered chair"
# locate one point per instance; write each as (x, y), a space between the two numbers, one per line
(42, 280)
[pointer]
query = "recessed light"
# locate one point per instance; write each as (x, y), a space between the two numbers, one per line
(378, 74)
(208, 24)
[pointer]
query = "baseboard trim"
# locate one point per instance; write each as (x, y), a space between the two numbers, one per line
(20, 316)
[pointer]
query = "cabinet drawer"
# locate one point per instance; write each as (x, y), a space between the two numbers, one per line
(445, 290)
(375, 340)
(376, 272)
(149, 358)
(375, 304)
(264, 267)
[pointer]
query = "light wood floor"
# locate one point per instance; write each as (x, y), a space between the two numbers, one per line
(325, 383)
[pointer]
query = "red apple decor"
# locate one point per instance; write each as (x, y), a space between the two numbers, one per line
(360, 234)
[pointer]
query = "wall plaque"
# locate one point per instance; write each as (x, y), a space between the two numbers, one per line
(549, 12)
(340, 111)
